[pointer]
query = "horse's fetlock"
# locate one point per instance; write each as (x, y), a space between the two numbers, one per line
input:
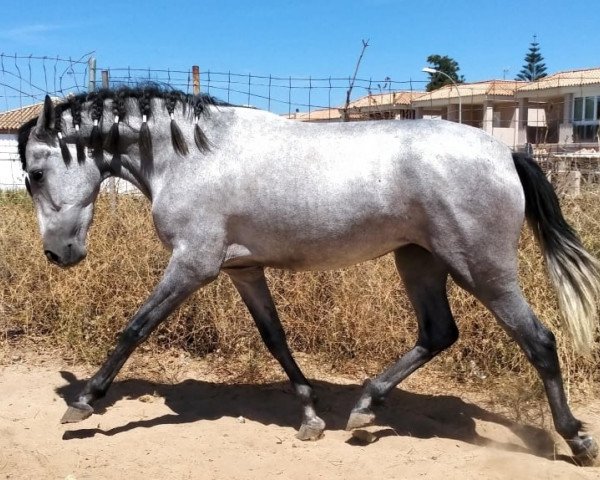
(306, 394)
(569, 428)
(93, 391)
(375, 390)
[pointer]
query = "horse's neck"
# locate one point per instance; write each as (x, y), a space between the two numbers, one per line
(129, 168)
(150, 177)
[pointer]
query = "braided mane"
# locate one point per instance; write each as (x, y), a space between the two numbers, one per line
(116, 100)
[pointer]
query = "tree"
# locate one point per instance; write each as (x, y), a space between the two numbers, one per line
(533, 69)
(444, 64)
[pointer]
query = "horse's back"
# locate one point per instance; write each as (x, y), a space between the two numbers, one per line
(416, 154)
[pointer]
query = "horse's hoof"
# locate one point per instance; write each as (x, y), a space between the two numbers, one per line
(77, 412)
(585, 450)
(364, 437)
(360, 419)
(312, 430)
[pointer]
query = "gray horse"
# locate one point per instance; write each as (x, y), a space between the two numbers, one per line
(260, 191)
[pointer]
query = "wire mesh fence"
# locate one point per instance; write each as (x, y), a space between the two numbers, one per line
(278, 94)
(26, 79)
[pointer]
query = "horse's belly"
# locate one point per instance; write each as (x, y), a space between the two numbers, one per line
(325, 259)
(325, 251)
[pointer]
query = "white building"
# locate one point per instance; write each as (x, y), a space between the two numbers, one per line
(489, 105)
(11, 173)
(562, 109)
(571, 104)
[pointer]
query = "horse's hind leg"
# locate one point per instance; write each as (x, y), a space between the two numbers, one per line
(424, 277)
(507, 303)
(252, 286)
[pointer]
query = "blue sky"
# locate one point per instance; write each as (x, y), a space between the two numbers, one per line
(317, 38)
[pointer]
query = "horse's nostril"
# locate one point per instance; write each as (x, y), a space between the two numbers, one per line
(53, 257)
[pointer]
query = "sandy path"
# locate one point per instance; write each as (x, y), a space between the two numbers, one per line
(192, 429)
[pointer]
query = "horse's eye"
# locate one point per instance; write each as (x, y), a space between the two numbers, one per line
(37, 175)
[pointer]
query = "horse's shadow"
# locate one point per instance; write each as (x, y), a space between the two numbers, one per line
(404, 413)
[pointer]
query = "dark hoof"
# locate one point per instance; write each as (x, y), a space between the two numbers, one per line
(360, 419)
(76, 413)
(312, 430)
(585, 450)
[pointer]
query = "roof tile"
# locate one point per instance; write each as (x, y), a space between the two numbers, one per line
(571, 78)
(487, 88)
(11, 120)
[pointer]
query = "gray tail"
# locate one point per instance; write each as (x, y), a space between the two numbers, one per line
(574, 273)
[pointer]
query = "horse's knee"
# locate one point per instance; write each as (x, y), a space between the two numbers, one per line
(131, 336)
(447, 337)
(439, 337)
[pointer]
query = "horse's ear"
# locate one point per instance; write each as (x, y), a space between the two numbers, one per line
(46, 120)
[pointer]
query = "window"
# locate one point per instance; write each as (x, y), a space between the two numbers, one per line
(578, 109)
(586, 118)
(589, 108)
(497, 120)
(585, 133)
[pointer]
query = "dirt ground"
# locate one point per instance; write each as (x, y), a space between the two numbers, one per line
(197, 425)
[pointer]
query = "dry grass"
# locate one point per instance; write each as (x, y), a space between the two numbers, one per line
(359, 315)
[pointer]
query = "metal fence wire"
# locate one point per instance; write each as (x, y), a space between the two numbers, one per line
(279, 94)
(26, 79)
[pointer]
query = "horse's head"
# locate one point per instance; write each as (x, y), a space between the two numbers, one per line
(63, 191)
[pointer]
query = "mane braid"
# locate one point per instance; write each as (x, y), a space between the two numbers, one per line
(96, 111)
(75, 103)
(179, 143)
(64, 149)
(145, 139)
(111, 142)
(200, 138)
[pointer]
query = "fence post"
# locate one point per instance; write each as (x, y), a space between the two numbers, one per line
(92, 74)
(105, 79)
(196, 79)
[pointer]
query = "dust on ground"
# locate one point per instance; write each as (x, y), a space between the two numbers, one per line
(195, 422)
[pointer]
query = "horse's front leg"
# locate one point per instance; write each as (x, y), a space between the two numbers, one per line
(181, 278)
(252, 286)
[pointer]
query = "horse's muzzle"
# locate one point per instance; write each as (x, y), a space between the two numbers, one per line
(70, 256)
(52, 257)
